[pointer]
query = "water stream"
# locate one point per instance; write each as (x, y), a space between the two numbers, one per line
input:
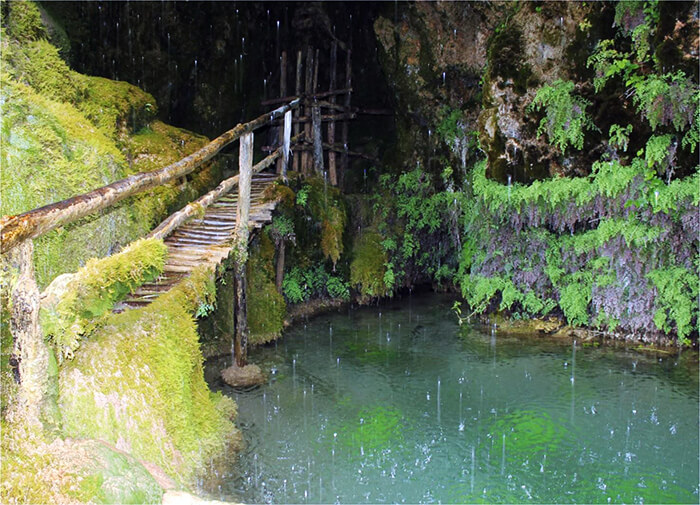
(397, 403)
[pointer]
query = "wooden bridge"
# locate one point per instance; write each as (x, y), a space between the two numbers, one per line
(204, 232)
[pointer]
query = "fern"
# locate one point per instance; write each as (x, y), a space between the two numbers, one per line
(565, 114)
(677, 299)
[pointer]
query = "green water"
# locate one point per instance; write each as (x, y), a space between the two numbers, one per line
(397, 403)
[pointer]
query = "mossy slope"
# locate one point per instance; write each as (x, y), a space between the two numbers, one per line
(64, 133)
(138, 383)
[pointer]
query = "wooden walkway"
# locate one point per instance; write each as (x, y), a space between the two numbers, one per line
(207, 240)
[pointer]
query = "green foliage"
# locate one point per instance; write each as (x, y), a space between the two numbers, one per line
(71, 309)
(620, 136)
(301, 285)
(303, 195)
(368, 266)
(668, 99)
(677, 300)
(638, 20)
(565, 114)
(327, 207)
(413, 219)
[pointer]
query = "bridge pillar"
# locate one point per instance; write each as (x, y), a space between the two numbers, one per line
(245, 173)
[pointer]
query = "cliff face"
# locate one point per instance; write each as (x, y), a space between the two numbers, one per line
(463, 71)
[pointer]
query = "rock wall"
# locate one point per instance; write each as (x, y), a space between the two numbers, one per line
(483, 62)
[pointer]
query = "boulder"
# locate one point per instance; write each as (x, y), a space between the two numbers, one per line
(241, 377)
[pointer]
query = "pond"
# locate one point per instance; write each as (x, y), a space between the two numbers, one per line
(398, 403)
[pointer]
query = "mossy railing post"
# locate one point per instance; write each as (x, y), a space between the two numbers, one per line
(245, 173)
(30, 352)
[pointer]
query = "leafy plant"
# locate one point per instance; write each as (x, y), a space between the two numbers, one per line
(565, 114)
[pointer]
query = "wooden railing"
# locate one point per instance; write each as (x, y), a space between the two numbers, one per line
(34, 223)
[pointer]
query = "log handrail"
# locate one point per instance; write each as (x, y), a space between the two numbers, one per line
(193, 208)
(15, 229)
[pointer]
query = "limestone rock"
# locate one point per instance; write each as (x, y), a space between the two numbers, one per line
(247, 376)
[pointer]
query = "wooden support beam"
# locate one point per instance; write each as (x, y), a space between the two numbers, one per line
(31, 224)
(286, 143)
(328, 117)
(30, 355)
(297, 90)
(344, 130)
(332, 174)
(283, 92)
(318, 140)
(300, 94)
(305, 159)
(245, 173)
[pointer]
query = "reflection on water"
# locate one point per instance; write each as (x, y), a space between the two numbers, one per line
(397, 403)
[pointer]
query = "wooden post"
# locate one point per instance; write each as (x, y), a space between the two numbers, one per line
(30, 354)
(279, 267)
(245, 172)
(344, 131)
(297, 90)
(286, 142)
(318, 141)
(305, 161)
(331, 125)
(315, 81)
(283, 92)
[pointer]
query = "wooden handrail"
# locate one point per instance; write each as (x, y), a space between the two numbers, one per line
(15, 229)
(192, 209)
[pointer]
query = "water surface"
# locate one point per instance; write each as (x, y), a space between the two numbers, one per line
(397, 403)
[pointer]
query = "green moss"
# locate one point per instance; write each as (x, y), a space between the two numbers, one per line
(94, 289)
(266, 306)
(369, 266)
(54, 117)
(138, 383)
(328, 208)
(24, 21)
(37, 470)
(117, 107)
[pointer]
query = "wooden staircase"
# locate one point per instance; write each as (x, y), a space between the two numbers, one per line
(205, 240)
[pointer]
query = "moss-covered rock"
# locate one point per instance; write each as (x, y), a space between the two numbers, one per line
(266, 306)
(138, 383)
(72, 301)
(38, 470)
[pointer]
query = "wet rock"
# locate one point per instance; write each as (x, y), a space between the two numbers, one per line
(247, 376)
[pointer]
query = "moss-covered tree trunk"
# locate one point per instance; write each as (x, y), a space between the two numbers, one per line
(30, 352)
